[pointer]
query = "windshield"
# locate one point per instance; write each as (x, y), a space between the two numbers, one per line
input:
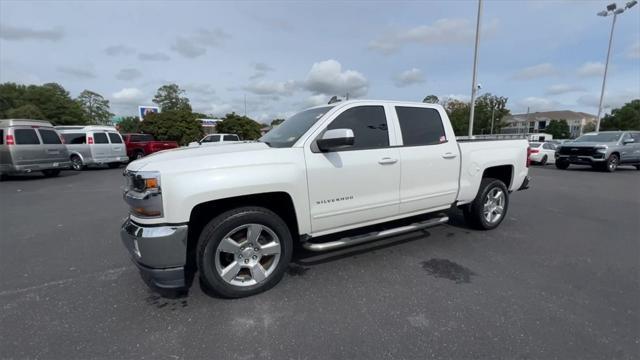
(601, 137)
(287, 133)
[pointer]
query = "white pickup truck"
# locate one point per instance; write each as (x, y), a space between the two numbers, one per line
(232, 213)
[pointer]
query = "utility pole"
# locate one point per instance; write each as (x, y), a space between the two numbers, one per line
(475, 66)
(493, 110)
(245, 105)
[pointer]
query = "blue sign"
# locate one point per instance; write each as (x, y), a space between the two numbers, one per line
(145, 110)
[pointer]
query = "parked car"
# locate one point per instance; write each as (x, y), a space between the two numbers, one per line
(542, 153)
(31, 145)
(140, 145)
(94, 145)
(216, 139)
(234, 211)
(604, 150)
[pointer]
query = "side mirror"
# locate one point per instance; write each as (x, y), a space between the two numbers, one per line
(335, 139)
(628, 141)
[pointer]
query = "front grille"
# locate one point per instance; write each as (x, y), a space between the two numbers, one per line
(577, 151)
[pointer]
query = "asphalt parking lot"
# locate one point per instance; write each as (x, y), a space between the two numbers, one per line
(560, 278)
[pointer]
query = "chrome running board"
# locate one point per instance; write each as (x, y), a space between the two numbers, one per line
(359, 239)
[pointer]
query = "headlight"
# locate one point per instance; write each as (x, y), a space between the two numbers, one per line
(601, 148)
(143, 193)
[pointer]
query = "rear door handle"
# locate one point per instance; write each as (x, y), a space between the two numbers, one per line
(449, 155)
(387, 160)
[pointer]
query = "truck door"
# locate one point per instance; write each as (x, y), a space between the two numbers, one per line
(357, 184)
(430, 160)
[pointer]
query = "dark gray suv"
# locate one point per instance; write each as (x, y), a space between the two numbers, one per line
(603, 150)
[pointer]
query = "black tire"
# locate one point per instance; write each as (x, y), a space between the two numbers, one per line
(474, 212)
(51, 173)
(76, 163)
(138, 154)
(220, 226)
(612, 163)
(562, 165)
(114, 165)
(544, 160)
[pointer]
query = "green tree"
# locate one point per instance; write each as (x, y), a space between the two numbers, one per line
(96, 107)
(28, 111)
(625, 118)
(559, 129)
(276, 122)
(431, 99)
(129, 124)
(177, 125)
(169, 97)
(242, 126)
(53, 101)
(589, 127)
(488, 106)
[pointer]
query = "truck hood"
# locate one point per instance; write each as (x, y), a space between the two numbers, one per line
(187, 157)
(587, 144)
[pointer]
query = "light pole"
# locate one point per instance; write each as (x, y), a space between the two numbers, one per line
(475, 65)
(493, 111)
(611, 9)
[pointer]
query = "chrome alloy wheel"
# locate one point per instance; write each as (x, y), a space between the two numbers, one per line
(494, 205)
(248, 255)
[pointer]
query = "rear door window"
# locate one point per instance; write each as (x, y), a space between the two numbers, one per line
(25, 137)
(230, 138)
(49, 136)
(369, 125)
(141, 138)
(420, 126)
(100, 138)
(211, 138)
(75, 138)
(115, 138)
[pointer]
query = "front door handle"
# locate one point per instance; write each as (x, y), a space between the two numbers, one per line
(387, 160)
(449, 155)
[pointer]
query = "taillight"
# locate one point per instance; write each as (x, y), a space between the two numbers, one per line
(528, 156)
(9, 140)
(535, 151)
(89, 140)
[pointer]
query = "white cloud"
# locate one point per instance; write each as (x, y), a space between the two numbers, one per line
(535, 71)
(443, 31)
(155, 56)
(611, 99)
(538, 104)
(196, 45)
(200, 89)
(591, 69)
(272, 88)
(315, 100)
(128, 74)
(116, 50)
(129, 96)
(261, 70)
(558, 89)
(326, 77)
(633, 52)
(8, 32)
(220, 110)
(76, 72)
(409, 77)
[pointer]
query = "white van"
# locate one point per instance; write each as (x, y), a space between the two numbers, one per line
(92, 144)
(539, 137)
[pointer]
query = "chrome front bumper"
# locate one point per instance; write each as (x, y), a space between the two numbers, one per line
(160, 252)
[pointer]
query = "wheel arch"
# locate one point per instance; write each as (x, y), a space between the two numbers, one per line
(279, 202)
(73, 153)
(503, 173)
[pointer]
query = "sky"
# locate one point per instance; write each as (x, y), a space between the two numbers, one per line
(285, 56)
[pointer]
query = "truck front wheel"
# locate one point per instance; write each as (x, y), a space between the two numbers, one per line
(562, 164)
(489, 207)
(243, 252)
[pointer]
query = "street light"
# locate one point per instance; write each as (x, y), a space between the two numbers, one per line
(611, 9)
(475, 65)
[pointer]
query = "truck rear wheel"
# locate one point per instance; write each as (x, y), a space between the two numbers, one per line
(489, 207)
(243, 252)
